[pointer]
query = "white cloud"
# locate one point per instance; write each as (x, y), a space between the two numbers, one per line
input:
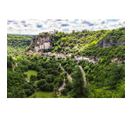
(34, 26)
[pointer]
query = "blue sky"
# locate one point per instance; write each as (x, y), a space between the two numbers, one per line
(34, 26)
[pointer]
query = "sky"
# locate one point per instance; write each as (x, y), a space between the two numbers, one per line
(34, 26)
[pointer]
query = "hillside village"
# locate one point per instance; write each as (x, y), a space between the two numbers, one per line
(42, 44)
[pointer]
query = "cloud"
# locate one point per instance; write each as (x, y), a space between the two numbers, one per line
(64, 25)
(87, 23)
(34, 26)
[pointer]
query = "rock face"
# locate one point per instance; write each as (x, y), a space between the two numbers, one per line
(41, 43)
(105, 43)
(114, 38)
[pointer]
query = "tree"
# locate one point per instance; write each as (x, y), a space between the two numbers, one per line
(42, 85)
(78, 90)
(10, 62)
(28, 89)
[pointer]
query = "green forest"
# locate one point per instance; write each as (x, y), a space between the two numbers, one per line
(85, 64)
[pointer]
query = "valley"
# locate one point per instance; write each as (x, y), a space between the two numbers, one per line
(84, 64)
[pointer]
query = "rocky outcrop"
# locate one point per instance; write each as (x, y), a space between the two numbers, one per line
(41, 43)
(114, 38)
(105, 43)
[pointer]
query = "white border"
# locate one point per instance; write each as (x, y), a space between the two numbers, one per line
(42, 9)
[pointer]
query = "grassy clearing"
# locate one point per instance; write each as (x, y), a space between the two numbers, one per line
(30, 73)
(40, 94)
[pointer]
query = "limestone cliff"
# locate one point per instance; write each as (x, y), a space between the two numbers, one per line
(40, 43)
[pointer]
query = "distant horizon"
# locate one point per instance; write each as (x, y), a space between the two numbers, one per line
(60, 31)
(34, 27)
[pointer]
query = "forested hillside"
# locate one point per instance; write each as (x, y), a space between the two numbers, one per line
(87, 64)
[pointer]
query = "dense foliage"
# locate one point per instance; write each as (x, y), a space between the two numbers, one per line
(44, 76)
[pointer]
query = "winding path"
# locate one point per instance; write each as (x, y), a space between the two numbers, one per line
(77, 58)
(83, 75)
(68, 75)
(62, 87)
